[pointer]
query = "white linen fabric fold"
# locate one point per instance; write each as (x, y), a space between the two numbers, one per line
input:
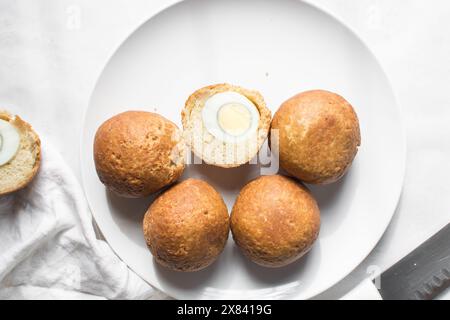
(48, 245)
(52, 52)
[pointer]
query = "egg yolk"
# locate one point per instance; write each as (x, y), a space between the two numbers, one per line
(234, 118)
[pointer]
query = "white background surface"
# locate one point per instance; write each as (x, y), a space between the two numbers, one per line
(51, 53)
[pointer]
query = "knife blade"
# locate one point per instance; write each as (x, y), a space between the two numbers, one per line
(421, 275)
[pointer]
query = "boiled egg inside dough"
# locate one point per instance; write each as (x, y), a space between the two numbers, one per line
(9, 142)
(230, 116)
(225, 125)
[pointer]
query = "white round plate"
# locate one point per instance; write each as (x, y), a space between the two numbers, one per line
(279, 48)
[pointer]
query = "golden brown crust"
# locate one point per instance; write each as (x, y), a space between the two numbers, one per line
(187, 227)
(201, 95)
(319, 136)
(137, 153)
(275, 221)
(27, 132)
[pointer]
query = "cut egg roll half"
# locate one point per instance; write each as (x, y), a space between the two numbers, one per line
(225, 125)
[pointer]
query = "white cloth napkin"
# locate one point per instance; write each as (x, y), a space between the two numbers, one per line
(53, 51)
(48, 247)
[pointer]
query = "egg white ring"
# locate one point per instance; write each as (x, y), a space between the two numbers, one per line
(210, 114)
(9, 142)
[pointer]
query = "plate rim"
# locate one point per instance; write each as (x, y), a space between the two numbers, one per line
(167, 4)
